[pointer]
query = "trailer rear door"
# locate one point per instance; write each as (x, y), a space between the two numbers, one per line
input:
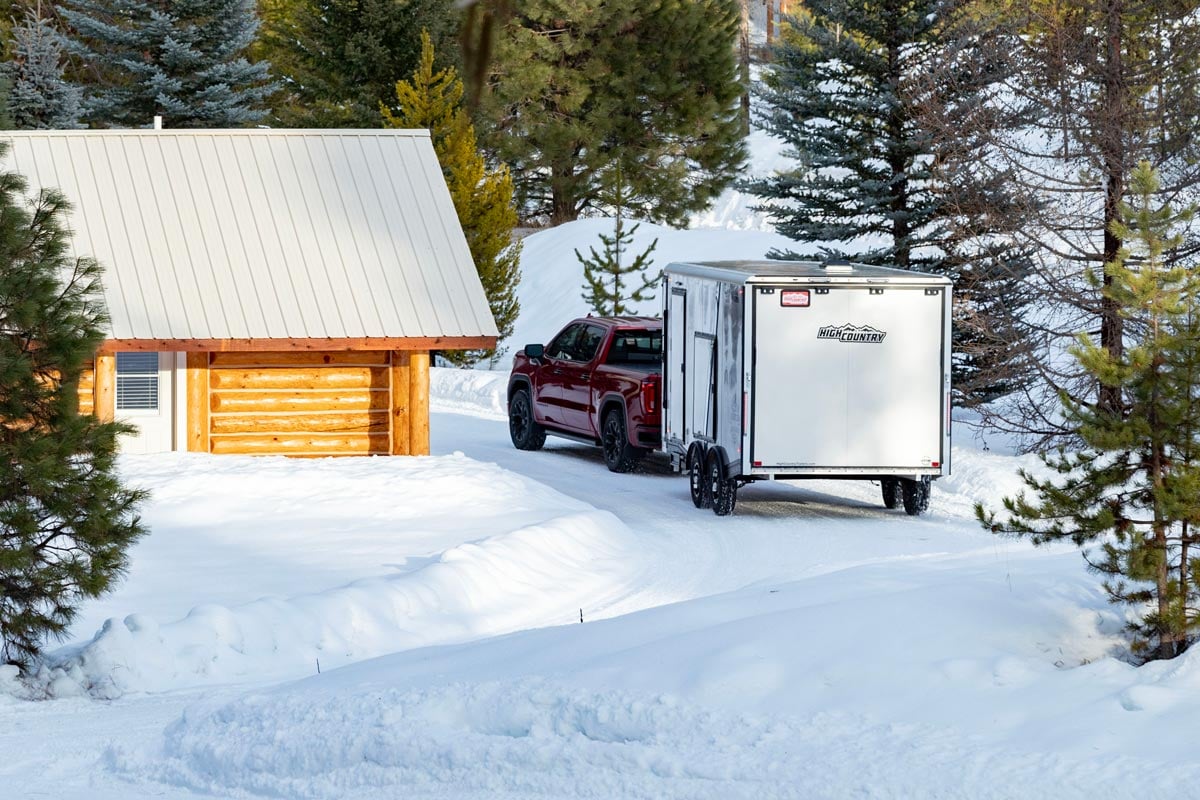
(851, 379)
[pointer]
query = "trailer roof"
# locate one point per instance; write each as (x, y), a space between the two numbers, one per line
(771, 271)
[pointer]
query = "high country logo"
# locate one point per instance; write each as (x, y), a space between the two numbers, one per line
(851, 333)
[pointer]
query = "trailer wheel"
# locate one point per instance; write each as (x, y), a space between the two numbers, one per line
(893, 494)
(697, 476)
(916, 495)
(721, 487)
(525, 433)
(619, 454)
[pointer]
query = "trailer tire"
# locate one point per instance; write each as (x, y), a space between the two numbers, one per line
(893, 494)
(721, 488)
(916, 495)
(523, 429)
(698, 476)
(619, 454)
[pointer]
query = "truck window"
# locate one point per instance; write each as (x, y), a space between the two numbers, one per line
(563, 345)
(588, 342)
(636, 347)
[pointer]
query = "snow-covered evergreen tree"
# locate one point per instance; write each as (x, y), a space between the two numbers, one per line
(39, 96)
(181, 59)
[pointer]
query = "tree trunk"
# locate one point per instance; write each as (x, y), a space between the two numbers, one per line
(563, 206)
(898, 163)
(744, 63)
(1112, 117)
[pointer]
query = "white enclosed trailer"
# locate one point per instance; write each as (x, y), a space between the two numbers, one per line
(790, 369)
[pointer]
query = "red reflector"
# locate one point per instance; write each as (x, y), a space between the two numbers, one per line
(794, 298)
(935, 464)
(758, 463)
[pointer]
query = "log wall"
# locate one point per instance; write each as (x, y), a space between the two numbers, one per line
(309, 403)
(87, 390)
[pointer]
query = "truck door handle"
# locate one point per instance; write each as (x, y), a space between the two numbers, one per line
(585, 376)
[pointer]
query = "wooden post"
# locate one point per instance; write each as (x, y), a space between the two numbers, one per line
(770, 21)
(197, 403)
(398, 428)
(105, 403)
(418, 402)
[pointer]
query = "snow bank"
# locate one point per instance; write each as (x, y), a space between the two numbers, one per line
(477, 392)
(521, 556)
(891, 681)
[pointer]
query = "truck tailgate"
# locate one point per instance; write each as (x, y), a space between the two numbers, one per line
(852, 380)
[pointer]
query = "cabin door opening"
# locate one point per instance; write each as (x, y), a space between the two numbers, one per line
(145, 398)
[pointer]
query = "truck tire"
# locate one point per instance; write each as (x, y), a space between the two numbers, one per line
(916, 495)
(619, 454)
(721, 488)
(524, 431)
(698, 476)
(893, 494)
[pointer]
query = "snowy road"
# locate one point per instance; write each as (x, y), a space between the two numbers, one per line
(778, 532)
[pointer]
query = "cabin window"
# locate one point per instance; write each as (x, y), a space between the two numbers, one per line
(137, 381)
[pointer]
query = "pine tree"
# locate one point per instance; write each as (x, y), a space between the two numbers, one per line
(1092, 88)
(852, 89)
(1133, 491)
(39, 96)
(340, 59)
(836, 93)
(184, 61)
(482, 197)
(606, 279)
(574, 84)
(66, 522)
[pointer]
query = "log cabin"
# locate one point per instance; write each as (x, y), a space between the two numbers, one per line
(271, 292)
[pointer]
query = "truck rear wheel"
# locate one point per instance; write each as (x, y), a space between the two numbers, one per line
(697, 476)
(916, 495)
(619, 454)
(721, 488)
(893, 495)
(524, 431)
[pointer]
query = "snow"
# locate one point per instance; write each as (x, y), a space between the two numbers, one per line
(491, 623)
(813, 644)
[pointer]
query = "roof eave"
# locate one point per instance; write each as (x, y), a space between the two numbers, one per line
(299, 345)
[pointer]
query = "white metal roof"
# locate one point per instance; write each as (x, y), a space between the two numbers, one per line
(263, 234)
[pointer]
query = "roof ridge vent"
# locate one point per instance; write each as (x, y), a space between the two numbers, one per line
(837, 265)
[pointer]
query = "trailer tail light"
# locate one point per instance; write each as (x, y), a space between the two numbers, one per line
(794, 298)
(650, 394)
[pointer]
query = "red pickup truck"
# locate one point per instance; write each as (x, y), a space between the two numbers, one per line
(598, 381)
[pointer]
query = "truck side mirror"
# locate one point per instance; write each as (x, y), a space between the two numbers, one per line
(535, 351)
